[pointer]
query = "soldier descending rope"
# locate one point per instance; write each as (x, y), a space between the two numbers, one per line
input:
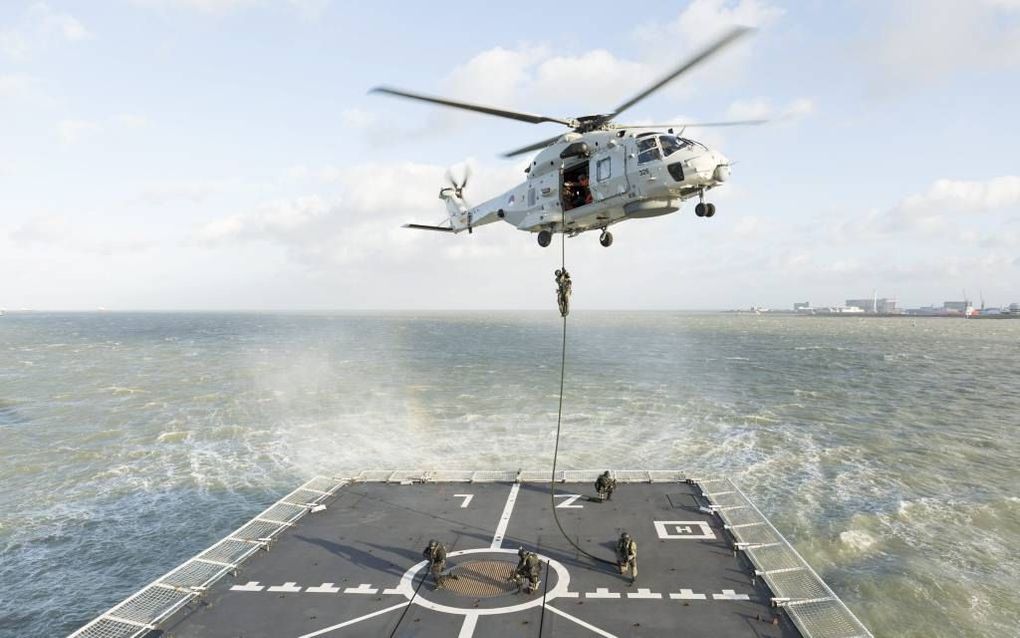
(563, 289)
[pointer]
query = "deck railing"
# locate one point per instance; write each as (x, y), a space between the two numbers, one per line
(812, 606)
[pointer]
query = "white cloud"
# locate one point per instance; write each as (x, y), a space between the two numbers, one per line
(761, 108)
(72, 131)
(40, 229)
(38, 26)
(951, 36)
(304, 8)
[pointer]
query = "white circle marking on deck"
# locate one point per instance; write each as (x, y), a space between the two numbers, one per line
(406, 588)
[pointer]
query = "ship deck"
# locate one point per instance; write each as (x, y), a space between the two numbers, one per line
(351, 565)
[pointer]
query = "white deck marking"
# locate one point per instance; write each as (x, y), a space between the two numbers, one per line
(504, 520)
(324, 588)
(604, 634)
(569, 502)
(644, 592)
(348, 623)
(683, 529)
(393, 590)
(363, 588)
(467, 499)
(468, 628)
(729, 594)
(289, 587)
(569, 594)
(253, 585)
(601, 592)
(687, 594)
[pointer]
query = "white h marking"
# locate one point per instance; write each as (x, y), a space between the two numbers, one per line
(467, 499)
(253, 585)
(504, 520)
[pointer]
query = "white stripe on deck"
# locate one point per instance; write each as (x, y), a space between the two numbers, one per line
(644, 592)
(504, 520)
(347, 623)
(604, 634)
(729, 594)
(468, 628)
(324, 588)
(687, 594)
(287, 587)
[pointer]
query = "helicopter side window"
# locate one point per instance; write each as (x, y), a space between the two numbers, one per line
(648, 150)
(604, 169)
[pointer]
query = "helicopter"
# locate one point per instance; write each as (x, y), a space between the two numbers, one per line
(598, 174)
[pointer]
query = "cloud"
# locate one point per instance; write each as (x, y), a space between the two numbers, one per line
(40, 25)
(363, 224)
(72, 131)
(761, 108)
(304, 8)
(40, 229)
(950, 37)
(534, 77)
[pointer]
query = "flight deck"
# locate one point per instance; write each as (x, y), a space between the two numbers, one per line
(342, 556)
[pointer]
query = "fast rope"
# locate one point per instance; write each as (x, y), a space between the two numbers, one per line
(545, 596)
(410, 603)
(563, 297)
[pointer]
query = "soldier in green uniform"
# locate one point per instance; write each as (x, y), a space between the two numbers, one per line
(435, 553)
(563, 289)
(626, 556)
(529, 568)
(604, 486)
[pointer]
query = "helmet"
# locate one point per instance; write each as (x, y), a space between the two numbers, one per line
(521, 552)
(606, 473)
(433, 543)
(625, 535)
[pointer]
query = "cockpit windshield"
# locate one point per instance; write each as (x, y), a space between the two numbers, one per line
(671, 144)
(648, 150)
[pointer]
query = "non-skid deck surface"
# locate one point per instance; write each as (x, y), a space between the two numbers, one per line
(356, 569)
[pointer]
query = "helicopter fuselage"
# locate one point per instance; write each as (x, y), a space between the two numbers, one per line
(587, 181)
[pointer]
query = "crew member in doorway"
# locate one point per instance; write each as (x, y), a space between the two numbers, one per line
(626, 556)
(584, 190)
(604, 486)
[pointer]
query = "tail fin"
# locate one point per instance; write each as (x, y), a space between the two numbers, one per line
(457, 209)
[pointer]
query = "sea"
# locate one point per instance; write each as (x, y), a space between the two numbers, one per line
(886, 449)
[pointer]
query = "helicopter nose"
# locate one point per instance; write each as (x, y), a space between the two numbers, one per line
(722, 167)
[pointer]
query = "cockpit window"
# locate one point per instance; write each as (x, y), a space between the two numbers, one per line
(672, 144)
(648, 150)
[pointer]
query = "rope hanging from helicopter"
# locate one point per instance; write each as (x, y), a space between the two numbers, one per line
(563, 299)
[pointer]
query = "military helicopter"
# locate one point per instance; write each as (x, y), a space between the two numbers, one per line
(598, 174)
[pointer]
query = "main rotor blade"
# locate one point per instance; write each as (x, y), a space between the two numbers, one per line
(696, 124)
(704, 54)
(531, 147)
(513, 115)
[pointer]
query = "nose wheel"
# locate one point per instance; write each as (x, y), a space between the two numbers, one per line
(606, 238)
(704, 210)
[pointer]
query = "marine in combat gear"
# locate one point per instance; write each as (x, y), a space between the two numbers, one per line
(626, 556)
(563, 290)
(435, 553)
(529, 568)
(604, 486)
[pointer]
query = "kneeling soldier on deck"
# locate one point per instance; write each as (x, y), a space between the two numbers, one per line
(528, 568)
(605, 485)
(626, 556)
(436, 555)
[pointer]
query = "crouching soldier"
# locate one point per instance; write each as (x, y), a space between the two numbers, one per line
(604, 486)
(529, 568)
(435, 553)
(626, 556)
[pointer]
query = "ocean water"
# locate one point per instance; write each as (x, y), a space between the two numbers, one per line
(887, 450)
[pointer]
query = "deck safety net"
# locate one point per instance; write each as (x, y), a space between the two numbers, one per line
(811, 605)
(145, 609)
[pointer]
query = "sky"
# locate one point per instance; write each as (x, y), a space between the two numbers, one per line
(226, 154)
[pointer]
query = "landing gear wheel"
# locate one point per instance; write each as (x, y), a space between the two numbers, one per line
(699, 210)
(709, 210)
(544, 238)
(606, 238)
